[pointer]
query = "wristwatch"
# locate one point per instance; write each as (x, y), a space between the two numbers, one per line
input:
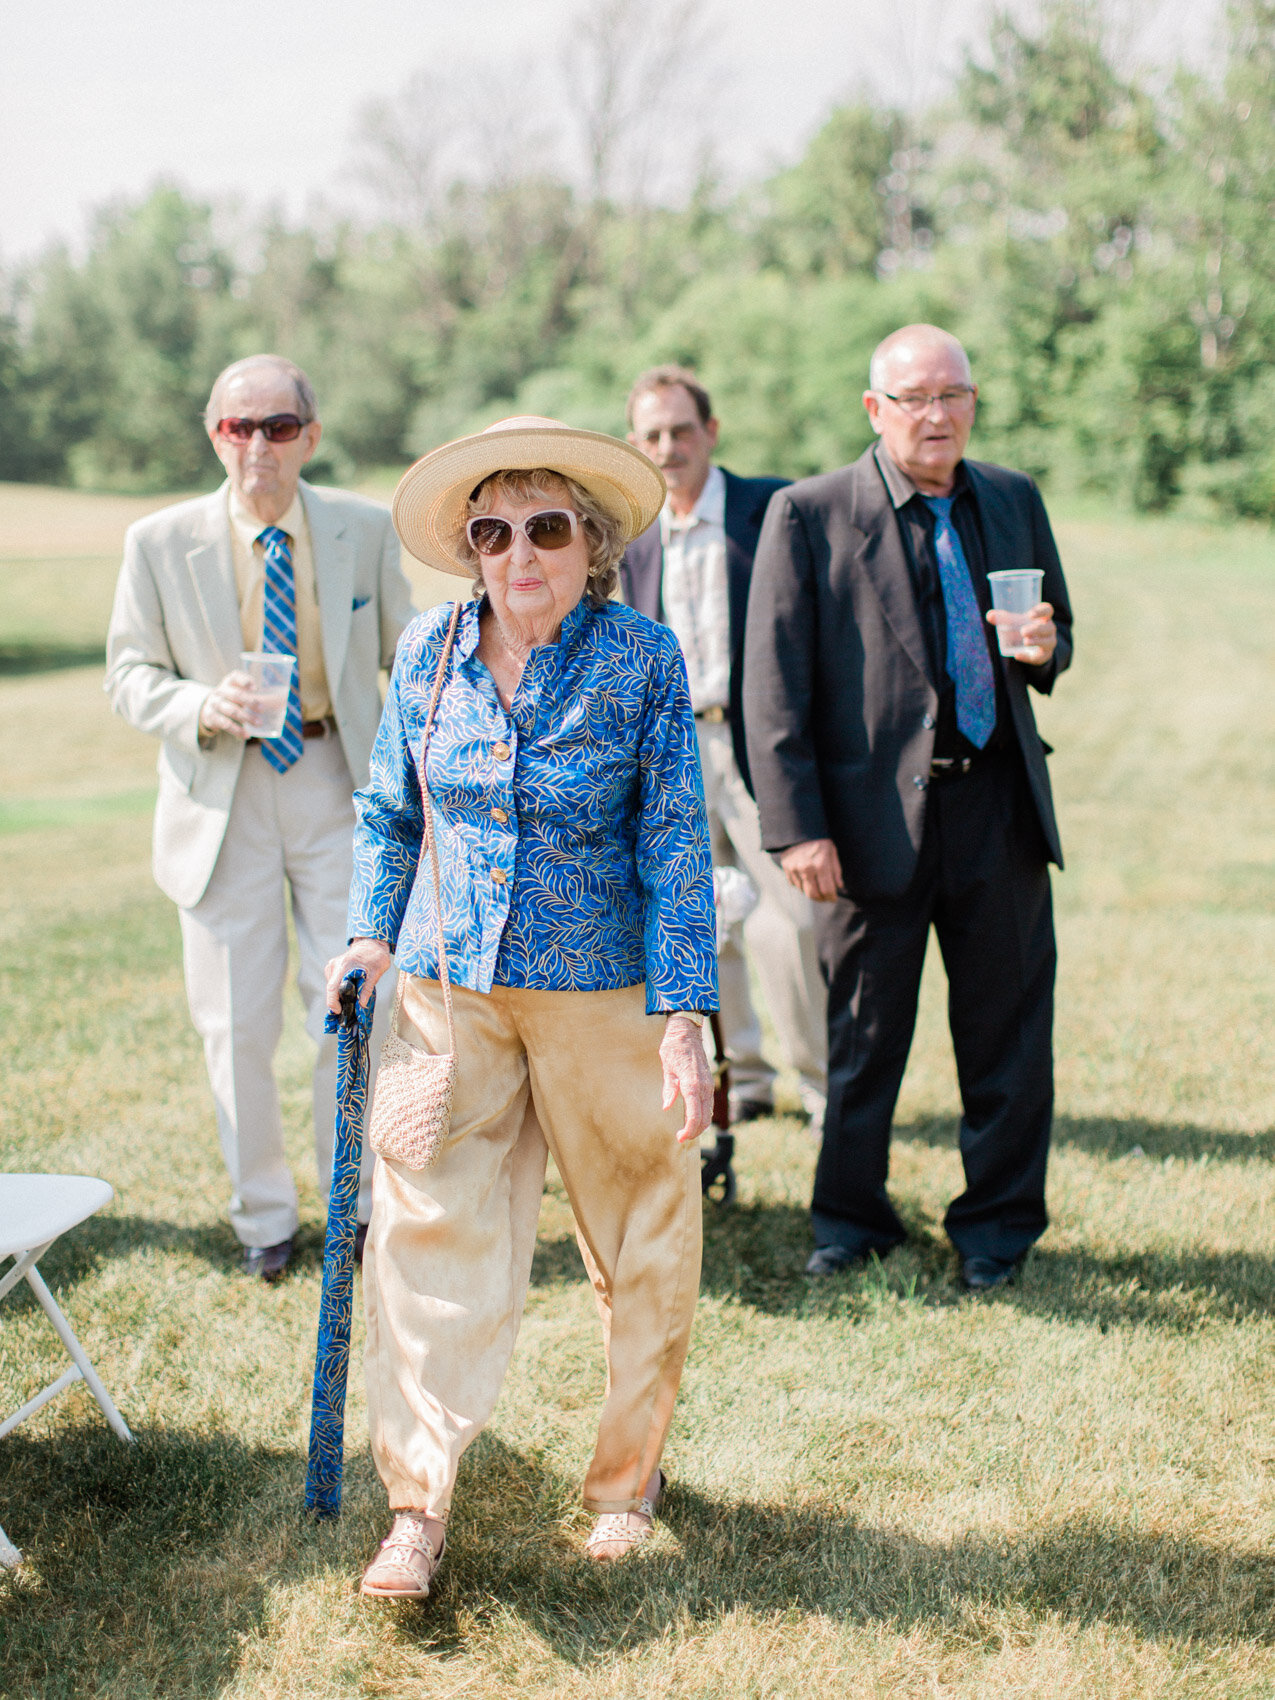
(692, 1015)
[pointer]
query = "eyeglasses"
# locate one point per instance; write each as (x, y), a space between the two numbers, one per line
(279, 428)
(916, 406)
(551, 528)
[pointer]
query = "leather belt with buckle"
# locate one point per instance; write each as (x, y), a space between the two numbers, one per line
(312, 729)
(951, 767)
(715, 716)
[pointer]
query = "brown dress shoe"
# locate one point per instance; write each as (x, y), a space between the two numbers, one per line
(267, 1262)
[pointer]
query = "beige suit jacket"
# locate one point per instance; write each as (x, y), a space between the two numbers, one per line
(175, 633)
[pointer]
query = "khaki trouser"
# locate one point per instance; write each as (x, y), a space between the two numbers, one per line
(290, 835)
(780, 935)
(449, 1250)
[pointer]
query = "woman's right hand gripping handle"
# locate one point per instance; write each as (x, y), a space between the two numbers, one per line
(371, 955)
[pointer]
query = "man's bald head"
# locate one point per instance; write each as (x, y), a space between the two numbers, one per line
(267, 366)
(903, 351)
(921, 404)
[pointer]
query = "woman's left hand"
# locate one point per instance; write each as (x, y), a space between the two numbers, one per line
(686, 1071)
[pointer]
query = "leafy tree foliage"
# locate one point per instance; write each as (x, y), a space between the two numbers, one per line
(1106, 255)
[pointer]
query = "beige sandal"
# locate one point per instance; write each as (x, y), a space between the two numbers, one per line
(614, 1536)
(406, 1562)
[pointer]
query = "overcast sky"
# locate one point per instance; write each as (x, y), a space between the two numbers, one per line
(260, 100)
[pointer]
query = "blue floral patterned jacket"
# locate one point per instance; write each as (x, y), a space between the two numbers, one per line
(572, 834)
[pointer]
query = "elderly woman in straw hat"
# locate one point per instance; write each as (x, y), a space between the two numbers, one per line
(577, 927)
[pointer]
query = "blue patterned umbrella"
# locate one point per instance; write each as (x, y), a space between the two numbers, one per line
(353, 1028)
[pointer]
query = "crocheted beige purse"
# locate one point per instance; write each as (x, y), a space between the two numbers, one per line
(412, 1106)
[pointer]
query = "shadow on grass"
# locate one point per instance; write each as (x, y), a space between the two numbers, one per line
(151, 1567)
(35, 656)
(1178, 1292)
(755, 1253)
(102, 1239)
(556, 1262)
(1118, 1138)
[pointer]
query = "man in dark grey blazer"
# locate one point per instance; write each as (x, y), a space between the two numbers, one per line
(902, 784)
(691, 570)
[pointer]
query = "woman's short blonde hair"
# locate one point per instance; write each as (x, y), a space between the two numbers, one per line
(602, 531)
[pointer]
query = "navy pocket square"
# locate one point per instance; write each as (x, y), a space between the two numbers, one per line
(360, 602)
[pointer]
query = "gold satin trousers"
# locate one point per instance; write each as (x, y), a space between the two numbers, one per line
(449, 1248)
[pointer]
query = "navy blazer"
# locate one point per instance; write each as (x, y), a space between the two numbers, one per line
(642, 578)
(841, 701)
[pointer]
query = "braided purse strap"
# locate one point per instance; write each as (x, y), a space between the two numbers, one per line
(411, 1113)
(431, 835)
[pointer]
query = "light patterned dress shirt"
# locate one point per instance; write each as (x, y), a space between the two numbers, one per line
(572, 834)
(695, 594)
(250, 581)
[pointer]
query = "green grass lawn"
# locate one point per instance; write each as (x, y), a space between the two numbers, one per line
(880, 1487)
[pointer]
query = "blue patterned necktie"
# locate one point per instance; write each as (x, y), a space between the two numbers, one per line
(279, 636)
(969, 666)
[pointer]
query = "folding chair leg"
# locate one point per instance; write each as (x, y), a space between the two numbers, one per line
(78, 1355)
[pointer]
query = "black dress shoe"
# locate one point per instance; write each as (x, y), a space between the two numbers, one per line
(360, 1240)
(985, 1274)
(267, 1262)
(833, 1260)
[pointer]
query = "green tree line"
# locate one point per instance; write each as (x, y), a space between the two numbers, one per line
(1105, 249)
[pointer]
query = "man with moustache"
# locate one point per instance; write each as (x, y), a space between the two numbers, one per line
(902, 784)
(691, 570)
(247, 827)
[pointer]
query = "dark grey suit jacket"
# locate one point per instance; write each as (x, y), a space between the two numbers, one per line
(642, 574)
(841, 705)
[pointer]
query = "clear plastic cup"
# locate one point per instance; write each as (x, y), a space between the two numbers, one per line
(271, 677)
(1015, 593)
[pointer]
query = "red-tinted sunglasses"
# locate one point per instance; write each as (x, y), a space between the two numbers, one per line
(279, 428)
(551, 528)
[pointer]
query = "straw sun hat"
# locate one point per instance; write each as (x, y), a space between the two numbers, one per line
(432, 498)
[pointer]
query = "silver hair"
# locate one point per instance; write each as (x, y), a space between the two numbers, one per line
(602, 531)
(307, 405)
(908, 333)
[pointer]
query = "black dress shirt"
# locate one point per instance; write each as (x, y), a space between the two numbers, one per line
(916, 526)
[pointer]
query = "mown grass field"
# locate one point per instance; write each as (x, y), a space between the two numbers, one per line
(881, 1488)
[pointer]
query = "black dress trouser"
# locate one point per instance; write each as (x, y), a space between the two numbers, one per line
(982, 879)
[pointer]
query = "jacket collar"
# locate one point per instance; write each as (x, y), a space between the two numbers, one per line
(211, 565)
(883, 556)
(333, 555)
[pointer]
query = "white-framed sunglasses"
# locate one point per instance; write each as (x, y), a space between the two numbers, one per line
(551, 528)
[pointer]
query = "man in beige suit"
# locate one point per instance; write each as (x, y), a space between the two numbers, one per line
(243, 824)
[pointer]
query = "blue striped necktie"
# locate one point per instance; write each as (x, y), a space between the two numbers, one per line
(279, 636)
(969, 666)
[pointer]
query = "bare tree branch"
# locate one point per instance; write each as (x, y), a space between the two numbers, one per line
(640, 81)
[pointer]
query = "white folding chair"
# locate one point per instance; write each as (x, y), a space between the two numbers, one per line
(35, 1210)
